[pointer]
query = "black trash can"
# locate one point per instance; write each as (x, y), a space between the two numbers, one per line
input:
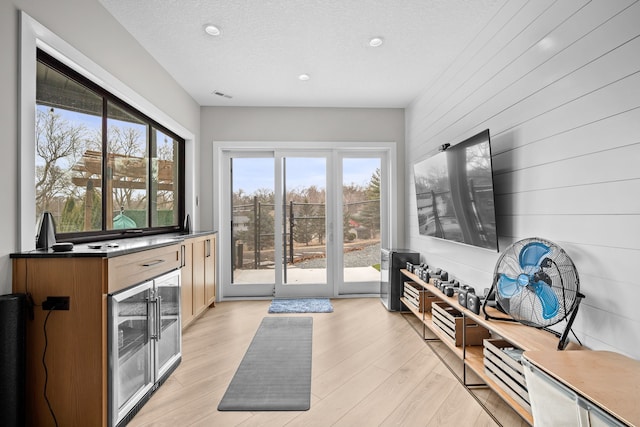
(12, 358)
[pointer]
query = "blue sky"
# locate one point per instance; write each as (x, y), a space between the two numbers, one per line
(251, 174)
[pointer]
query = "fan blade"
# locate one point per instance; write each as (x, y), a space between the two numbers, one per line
(508, 286)
(531, 255)
(548, 299)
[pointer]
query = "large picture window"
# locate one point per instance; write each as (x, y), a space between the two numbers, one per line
(102, 167)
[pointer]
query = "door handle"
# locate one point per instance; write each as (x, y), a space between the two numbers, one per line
(150, 317)
(159, 317)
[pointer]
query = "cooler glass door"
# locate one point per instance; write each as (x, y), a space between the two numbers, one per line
(168, 328)
(130, 349)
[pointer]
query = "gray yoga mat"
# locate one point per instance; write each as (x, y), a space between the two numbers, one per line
(275, 373)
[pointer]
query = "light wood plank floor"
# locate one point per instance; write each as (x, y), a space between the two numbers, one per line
(370, 368)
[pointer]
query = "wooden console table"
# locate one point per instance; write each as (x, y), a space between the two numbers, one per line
(517, 334)
(609, 380)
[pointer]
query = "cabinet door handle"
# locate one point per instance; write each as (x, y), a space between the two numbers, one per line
(150, 317)
(152, 263)
(208, 242)
(159, 317)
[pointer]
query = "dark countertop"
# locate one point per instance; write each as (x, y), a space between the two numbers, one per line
(114, 247)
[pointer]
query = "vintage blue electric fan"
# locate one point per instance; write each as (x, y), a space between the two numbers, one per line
(537, 284)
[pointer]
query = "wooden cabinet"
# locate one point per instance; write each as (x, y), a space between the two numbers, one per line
(76, 339)
(210, 271)
(77, 345)
(186, 291)
(198, 276)
(523, 337)
(198, 262)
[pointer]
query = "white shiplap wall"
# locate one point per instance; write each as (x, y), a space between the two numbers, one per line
(558, 85)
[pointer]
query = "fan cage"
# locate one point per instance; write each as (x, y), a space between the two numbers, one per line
(525, 306)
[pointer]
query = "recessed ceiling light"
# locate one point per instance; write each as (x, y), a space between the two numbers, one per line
(212, 30)
(376, 41)
(304, 77)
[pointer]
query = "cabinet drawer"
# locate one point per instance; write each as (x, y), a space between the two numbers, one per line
(128, 270)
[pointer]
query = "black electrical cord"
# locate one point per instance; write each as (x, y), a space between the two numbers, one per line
(576, 337)
(44, 364)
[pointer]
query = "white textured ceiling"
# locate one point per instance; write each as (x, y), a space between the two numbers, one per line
(266, 44)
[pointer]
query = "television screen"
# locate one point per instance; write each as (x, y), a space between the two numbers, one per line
(454, 192)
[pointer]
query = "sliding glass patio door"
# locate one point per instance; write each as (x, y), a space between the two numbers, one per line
(302, 223)
(362, 215)
(305, 221)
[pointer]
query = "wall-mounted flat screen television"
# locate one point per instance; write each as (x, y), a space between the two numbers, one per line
(454, 192)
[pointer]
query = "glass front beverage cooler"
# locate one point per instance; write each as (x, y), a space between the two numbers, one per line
(144, 343)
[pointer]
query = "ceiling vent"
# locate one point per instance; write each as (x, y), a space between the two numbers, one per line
(224, 95)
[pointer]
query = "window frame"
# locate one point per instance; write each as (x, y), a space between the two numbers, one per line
(151, 124)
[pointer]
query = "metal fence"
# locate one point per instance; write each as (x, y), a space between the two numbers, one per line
(303, 224)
